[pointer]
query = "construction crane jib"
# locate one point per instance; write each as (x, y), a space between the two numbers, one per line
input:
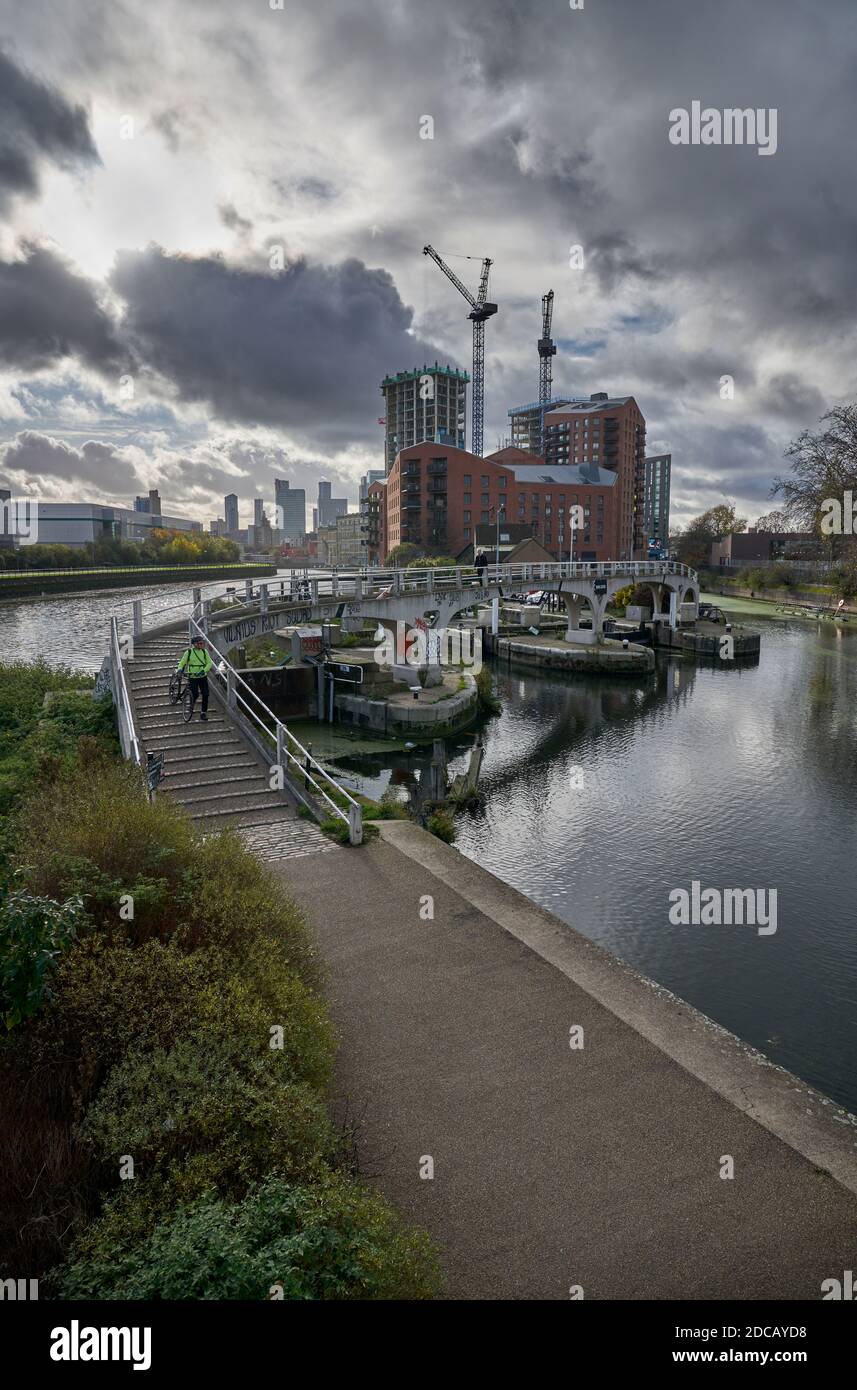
(481, 309)
(547, 350)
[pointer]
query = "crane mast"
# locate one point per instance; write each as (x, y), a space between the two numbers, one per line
(480, 310)
(547, 350)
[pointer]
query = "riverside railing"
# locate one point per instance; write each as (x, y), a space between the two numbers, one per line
(128, 739)
(290, 752)
(377, 583)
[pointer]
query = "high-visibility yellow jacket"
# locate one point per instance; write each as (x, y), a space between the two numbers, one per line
(196, 662)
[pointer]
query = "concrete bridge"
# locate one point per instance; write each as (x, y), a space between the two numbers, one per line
(266, 773)
(433, 598)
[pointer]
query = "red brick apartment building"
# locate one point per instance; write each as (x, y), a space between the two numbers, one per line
(609, 432)
(435, 496)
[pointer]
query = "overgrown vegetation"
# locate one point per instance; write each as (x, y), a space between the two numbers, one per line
(163, 547)
(441, 823)
(163, 1078)
(489, 702)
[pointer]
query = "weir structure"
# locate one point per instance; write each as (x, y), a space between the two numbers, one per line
(286, 775)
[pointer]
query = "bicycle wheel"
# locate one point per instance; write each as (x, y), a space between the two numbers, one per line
(175, 688)
(187, 705)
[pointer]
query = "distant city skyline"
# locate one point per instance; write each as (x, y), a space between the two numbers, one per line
(176, 316)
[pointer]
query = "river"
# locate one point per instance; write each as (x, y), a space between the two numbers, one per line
(601, 796)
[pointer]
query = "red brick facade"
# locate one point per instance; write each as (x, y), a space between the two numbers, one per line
(436, 495)
(610, 432)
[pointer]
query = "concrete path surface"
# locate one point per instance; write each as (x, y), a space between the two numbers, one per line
(557, 1167)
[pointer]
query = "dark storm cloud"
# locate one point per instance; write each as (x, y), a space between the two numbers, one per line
(305, 347)
(36, 124)
(47, 313)
(40, 455)
(551, 128)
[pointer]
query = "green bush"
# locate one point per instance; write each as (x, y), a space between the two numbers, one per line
(330, 1241)
(210, 1116)
(39, 739)
(170, 960)
(489, 703)
(98, 836)
(441, 824)
(113, 999)
(33, 933)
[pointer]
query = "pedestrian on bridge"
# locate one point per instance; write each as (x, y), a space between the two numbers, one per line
(481, 564)
(197, 663)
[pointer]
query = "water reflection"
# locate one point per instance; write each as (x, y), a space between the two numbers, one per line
(741, 777)
(601, 796)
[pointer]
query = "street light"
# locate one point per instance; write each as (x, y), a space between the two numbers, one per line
(500, 512)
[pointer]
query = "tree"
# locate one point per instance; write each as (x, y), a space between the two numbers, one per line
(776, 522)
(401, 555)
(824, 468)
(693, 544)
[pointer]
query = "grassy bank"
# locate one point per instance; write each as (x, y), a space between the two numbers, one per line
(167, 1050)
(25, 583)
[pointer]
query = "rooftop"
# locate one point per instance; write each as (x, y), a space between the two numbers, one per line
(417, 372)
(567, 474)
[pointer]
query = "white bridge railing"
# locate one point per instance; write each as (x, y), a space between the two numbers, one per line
(371, 584)
(289, 754)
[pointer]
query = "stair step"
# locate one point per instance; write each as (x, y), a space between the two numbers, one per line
(183, 762)
(221, 778)
(222, 796)
(159, 721)
(231, 809)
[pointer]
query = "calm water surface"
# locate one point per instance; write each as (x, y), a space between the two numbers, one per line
(738, 778)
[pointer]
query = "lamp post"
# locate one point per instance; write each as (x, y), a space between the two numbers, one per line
(499, 512)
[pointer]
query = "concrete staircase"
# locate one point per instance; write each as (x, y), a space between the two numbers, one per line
(209, 768)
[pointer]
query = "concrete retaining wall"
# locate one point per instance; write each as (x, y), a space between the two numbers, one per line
(609, 658)
(416, 719)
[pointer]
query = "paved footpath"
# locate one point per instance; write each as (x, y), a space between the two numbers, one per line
(556, 1167)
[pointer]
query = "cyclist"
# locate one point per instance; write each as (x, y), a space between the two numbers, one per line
(197, 663)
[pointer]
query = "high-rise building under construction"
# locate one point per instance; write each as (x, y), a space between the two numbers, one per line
(426, 404)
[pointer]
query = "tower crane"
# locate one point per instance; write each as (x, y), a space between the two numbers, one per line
(480, 310)
(547, 350)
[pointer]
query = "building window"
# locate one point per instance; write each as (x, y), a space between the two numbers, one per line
(486, 498)
(483, 517)
(467, 533)
(467, 499)
(466, 516)
(486, 482)
(466, 480)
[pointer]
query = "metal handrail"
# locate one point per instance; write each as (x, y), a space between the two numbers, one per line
(123, 699)
(279, 733)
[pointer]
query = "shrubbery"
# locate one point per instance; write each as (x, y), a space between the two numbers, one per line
(33, 933)
(332, 1240)
(186, 1032)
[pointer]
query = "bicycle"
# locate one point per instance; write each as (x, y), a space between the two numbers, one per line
(180, 691)
(177, 684)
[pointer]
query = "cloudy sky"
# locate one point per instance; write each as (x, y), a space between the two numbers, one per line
(212, 216)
